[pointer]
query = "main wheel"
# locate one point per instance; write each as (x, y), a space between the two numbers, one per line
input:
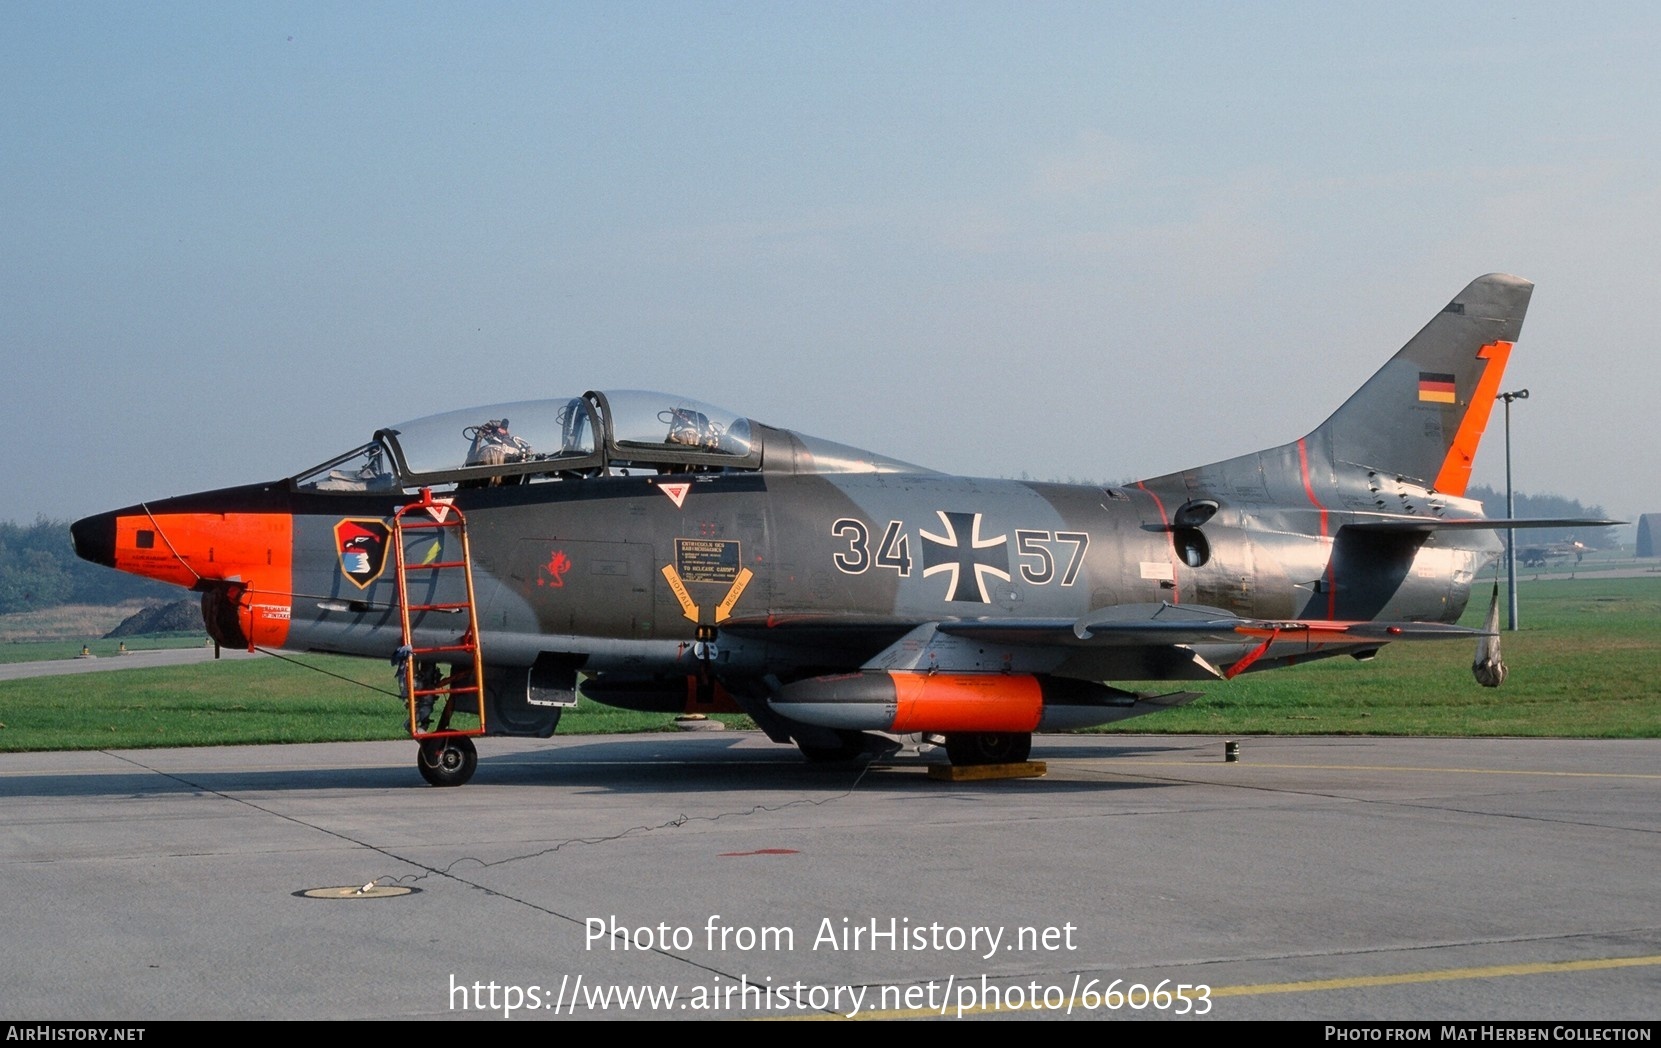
(849, 745)
(989, 747)
(447, 762)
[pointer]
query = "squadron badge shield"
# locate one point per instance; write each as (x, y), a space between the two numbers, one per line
(361, 547)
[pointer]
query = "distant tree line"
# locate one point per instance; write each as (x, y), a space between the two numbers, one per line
(39, 569)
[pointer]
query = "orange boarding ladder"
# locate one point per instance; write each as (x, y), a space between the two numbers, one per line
(430, 514)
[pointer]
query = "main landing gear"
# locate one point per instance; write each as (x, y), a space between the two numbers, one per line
(989, 747)
(447, 761)
(963, 748)
(834, 748)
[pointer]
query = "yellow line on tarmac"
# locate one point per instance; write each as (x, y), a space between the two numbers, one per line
(1120, 762)
(1496, 971)
(1077, 1006)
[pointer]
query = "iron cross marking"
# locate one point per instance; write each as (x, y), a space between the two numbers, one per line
(968, 557)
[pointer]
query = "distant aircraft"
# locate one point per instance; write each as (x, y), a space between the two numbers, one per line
(1539, 556)
(657, 553)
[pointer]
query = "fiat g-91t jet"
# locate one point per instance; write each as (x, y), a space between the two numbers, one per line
(653, 552)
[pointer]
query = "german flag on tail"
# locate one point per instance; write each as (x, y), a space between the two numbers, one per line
(1436, 387)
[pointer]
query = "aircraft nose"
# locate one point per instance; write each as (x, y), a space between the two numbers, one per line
(95, 539)
(237, 537)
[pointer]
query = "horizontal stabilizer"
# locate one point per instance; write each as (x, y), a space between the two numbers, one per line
(1429, 524)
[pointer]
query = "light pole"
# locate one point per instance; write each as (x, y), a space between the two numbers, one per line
(1510, 512)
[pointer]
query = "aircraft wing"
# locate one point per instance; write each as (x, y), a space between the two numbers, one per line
(1139, 624)
(1125, 642)
(1127, 625)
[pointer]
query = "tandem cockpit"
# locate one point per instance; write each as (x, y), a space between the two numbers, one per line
(618, 433)
(596, 434)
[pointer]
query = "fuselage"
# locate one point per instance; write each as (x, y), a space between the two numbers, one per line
(623, 569)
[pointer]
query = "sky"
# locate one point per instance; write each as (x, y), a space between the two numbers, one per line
(1091, 241)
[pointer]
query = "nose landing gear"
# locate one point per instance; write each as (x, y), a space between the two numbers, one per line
(447, 761)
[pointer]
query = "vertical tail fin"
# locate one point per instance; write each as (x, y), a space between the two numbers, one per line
(1421, 416)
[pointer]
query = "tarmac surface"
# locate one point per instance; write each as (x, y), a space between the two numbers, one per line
(717, 875)
(133, 660)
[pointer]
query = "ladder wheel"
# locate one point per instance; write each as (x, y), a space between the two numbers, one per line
(447, 762)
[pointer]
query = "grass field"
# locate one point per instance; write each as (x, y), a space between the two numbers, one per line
(22, 631)
(317, 698)
(48, 650)
(1585, 665)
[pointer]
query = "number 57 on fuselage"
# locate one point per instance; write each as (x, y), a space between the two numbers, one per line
(654, 552)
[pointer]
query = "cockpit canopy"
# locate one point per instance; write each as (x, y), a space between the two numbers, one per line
(591, 435)
(594, 435)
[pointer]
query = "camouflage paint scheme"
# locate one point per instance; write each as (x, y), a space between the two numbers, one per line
(831, 592)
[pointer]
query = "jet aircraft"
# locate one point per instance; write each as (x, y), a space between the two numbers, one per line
(654, 552)
(1540, 556)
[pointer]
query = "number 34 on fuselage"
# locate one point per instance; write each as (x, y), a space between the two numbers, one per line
(659, 553)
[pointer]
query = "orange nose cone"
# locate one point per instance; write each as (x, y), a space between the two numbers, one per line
(185, 548)
(197, 549)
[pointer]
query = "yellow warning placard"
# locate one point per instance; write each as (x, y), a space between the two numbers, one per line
(724, 609)
(678, 588)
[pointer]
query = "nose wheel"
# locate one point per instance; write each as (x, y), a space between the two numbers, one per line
(447, 761)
